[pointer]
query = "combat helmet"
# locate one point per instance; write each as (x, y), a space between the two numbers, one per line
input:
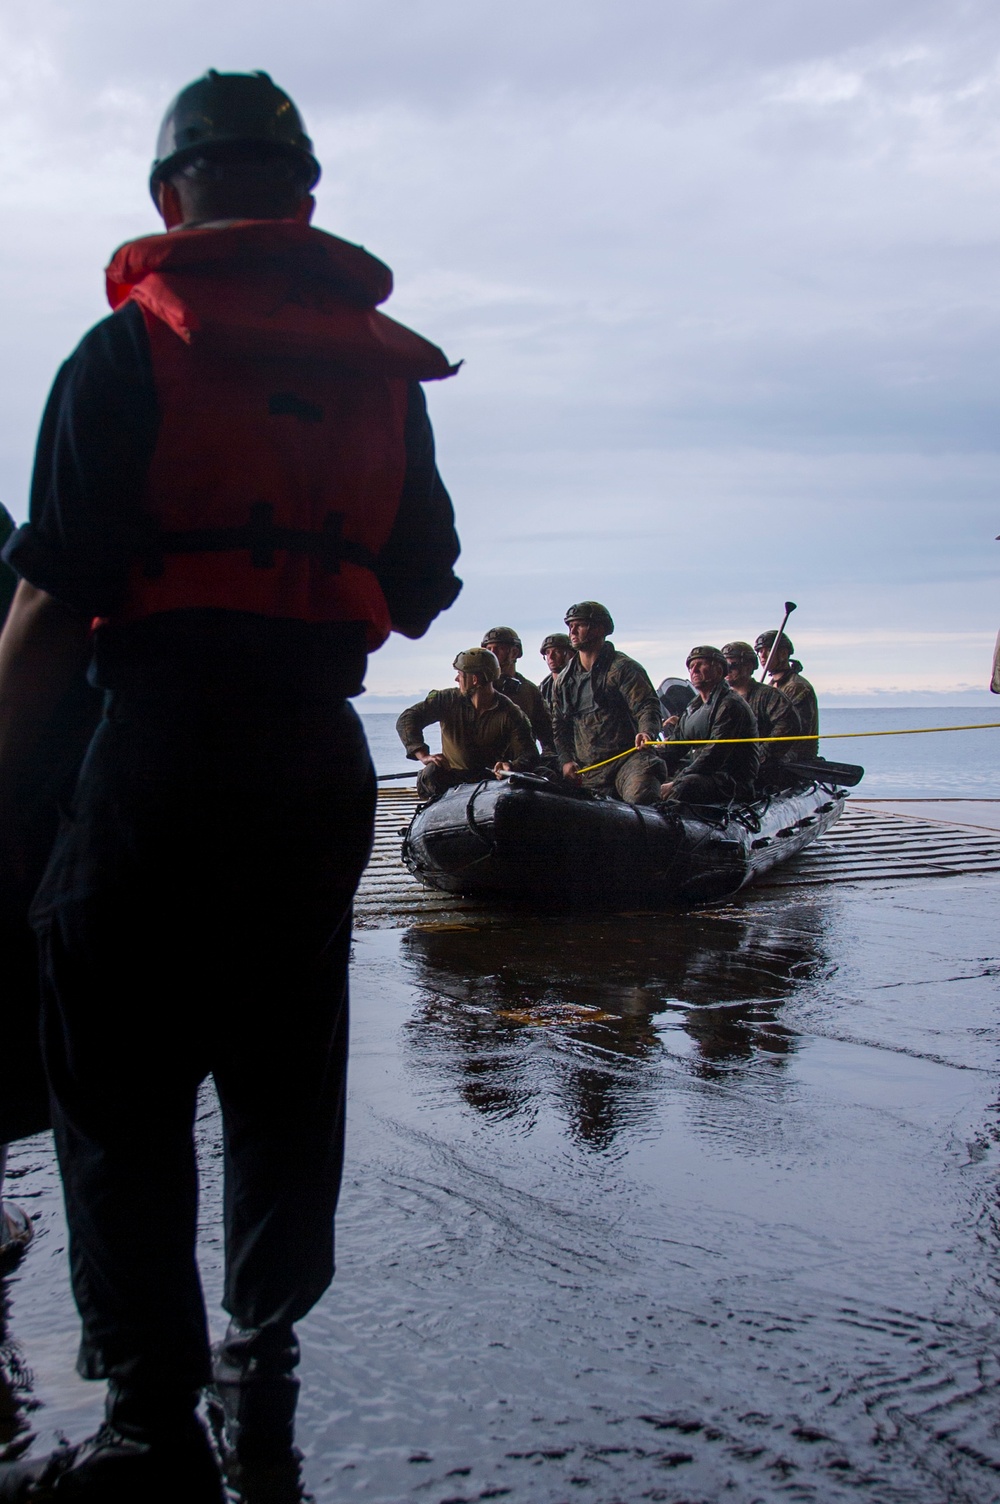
(478, 661)
(505, 635)
(765, 641)
(712, 655)
(591, 611)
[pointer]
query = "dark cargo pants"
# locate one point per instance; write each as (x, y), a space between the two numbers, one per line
(699, 788)
(194, 920)
(636, 778)
(432, 781)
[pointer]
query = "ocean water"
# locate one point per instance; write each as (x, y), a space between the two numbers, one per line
(960, 764)
(386, 748)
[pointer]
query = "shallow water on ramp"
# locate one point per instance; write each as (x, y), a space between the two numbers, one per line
(678, 1209)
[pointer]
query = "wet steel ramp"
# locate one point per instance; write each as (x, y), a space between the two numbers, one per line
(389, 894)
(866, 845)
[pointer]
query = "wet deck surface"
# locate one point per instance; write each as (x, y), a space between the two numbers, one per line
(680, 1208)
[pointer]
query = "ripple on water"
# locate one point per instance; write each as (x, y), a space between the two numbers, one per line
(682, 1210)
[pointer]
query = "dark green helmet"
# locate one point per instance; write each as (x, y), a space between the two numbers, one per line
(710, 654)
(765, 641)
(506, 635)
(231, 109)
(591, 611)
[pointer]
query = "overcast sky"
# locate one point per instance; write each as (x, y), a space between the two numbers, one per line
(723, 273)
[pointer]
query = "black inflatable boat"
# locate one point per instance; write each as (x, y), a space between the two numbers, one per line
(523, 838)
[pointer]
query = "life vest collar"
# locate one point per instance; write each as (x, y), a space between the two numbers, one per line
(273, 289)
(348, 271)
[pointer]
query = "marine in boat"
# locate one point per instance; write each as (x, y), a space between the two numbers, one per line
(564, 845)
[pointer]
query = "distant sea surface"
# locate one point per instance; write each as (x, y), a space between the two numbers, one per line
(962, 764)
(386, 748)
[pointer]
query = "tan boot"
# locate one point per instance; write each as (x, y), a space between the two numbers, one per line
(16, 1232)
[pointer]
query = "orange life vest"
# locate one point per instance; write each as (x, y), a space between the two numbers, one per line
(282, 394)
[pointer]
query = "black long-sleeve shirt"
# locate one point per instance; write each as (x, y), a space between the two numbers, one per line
(94, 450)
(716, 721)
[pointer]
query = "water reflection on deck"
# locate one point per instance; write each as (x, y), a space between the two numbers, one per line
(606, 990)
(678, 1208)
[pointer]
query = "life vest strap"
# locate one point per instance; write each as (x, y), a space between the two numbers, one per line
(262, 539)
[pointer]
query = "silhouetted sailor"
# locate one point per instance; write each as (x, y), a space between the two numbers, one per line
(235, 476)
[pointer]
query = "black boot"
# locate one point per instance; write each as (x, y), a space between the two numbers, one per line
(110, 1468)
(124, 1463)
(252, 1403)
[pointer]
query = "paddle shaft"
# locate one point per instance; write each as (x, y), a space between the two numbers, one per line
(789, 608)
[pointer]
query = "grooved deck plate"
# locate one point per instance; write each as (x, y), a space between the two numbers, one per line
(865, 845)
(872, 846)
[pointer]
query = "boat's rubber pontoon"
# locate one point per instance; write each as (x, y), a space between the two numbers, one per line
(524, 838)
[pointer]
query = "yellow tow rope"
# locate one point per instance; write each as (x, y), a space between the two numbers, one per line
(833, 736)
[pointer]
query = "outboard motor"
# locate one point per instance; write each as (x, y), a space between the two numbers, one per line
(675, 695)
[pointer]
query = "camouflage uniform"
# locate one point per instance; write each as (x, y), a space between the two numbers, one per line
(597, 714)
(472, 740)
(715, 774)
(527, 697)
(803, 697)
(776, 716)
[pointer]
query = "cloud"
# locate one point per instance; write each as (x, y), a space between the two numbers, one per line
(723, 277)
